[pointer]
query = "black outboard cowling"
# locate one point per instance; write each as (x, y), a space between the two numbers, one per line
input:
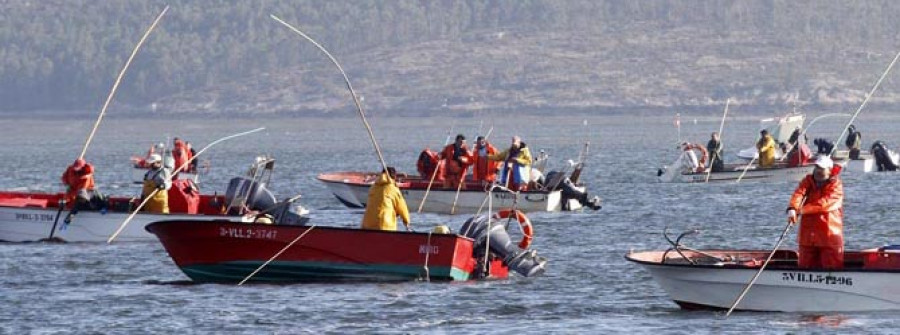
(558, 180)
(526, 262)
(243, 191)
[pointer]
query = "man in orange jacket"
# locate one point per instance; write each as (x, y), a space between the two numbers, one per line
(484, 170)
(457, 159)
(79, 181)
(819, 199)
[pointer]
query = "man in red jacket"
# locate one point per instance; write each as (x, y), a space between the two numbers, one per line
(819, 199)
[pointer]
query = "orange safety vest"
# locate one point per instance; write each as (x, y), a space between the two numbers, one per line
(452, 167)
(485, 169)
(78, 180)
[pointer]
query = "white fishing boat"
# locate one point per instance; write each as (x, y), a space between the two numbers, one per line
(352, 189)
(680, 172)
(865, 163)
(34, 216)
(713, 279)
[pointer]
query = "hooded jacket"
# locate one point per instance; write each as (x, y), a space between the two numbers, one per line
(766, 147)
(822, 221)
(384, 204)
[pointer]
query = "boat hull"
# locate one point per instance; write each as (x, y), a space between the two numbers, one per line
(778, 174)
(226, 252)
(30, 217)
(352, 190)
(778, 288)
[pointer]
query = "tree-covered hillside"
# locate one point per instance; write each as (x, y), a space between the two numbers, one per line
(57, 54)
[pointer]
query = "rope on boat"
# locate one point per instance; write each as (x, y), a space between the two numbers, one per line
(115, 86)
(147, 199)
(278, 254)
(427, 253)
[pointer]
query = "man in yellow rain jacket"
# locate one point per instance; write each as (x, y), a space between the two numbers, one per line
(766, 147)
(385, 203)
(159, 180)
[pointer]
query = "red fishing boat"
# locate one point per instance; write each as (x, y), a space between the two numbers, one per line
(227, 252)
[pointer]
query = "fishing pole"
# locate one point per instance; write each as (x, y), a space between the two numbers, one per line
(149, 196)
(277, 254)
(865, 101)
(359, 108)
(719, 144)
(115, 86)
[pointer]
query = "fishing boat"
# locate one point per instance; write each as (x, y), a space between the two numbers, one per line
(866, 162)
(679, 172)
(713, 279)
(35, 216)
(227, 252)
(352, 190)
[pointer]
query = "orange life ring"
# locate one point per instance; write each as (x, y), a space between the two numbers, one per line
(704, 155)
(524, 222)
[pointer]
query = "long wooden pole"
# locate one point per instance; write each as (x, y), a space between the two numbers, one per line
(434, 173)
(359, 108)
(865, 101)
(115, 86)
(147, 199)
(719, 146)
(459, 187)
(279, 254)
(763, 267)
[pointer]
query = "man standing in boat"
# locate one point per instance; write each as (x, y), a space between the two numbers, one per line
(157, 179)
(79, 181)
(485, 170)
(766, 147)
(516, 165)
(457, 158)
(385, 203)
(853, 142)
(714, 147)
(819, 199)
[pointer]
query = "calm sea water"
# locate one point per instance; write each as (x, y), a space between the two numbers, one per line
(589, 287)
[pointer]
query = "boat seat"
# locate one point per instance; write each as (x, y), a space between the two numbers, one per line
(23, 202)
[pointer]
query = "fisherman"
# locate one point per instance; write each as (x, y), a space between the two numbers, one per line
(714, 147)
(823, 146)
(457, 158)
(799, 154)
(157, 179)
(766, 147)
(192, 166)
(485, 170)
(883, 159)
(689, 162)
(853, 141)
(819, 199)
(516, 165)
(180, 154)
(385, 203)
(429, 165)
(79, 181)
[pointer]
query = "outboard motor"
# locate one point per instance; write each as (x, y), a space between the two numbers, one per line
(882, 155)
(286, 213)
(557, 180)
(525, 262)
(243, 191)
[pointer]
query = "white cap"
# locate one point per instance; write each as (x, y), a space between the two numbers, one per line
(154, 158)
(824, 162)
